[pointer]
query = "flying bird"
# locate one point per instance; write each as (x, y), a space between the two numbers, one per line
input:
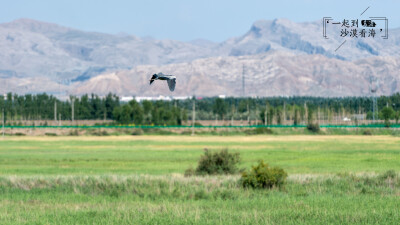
(171, 80)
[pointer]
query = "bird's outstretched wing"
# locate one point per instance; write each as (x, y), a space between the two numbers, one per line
(171, 84)
(153, 78)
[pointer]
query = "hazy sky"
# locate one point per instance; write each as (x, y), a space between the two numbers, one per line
(214, 20)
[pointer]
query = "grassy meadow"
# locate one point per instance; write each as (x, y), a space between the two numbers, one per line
(138, 180)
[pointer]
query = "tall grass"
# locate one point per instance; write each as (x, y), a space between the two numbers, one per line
(173, 186)
(145, 199)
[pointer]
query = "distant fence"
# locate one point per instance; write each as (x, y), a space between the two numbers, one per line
(199, 127)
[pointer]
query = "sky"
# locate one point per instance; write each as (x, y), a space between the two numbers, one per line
(186, 20)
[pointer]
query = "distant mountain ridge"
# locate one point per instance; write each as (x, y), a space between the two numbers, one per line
(37, 56)
(276, 73)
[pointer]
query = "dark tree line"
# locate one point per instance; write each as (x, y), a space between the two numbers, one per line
(274, 110)
(46, 107)
(271, 110)
(150, 113)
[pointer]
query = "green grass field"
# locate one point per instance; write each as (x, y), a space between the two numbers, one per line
(138, 180)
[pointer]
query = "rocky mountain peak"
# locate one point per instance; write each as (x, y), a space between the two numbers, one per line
(278, 55)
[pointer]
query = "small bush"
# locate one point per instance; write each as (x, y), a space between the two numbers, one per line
(221, 162)
(390, 174)
(262, 176)
(158, 131)
(313, 127)
(19, 134)
(137, 132)
(259, 130)
(50, 134)
(189, 172)
(99, 133)
(73, 133)
(186, 132)
(367, 132)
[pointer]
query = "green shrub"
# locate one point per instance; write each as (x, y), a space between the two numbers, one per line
(158, 131)
(189, 172)
(74, 132)
(367, 132)
(387, 114)
(137, 132)
(390, 174)
(98, 132)
(50, 134)
(221, 162)
(262, 176)
(259, 130)
(313, 127)
(186, 132)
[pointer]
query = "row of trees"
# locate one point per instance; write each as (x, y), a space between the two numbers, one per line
(271, 110)
(150, 113)
(276, 110)
(350, 105)
(47, 107)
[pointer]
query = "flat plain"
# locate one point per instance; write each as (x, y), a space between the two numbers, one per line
(139, 180)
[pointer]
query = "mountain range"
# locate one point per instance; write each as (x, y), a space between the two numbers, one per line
(276, 57)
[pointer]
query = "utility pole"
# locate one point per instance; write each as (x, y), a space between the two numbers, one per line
(266, 115)
(256, 115)
(319, 116)
(306, 113)
(284, 113)
(233, 113)
(55, 110)
(72, 109)
(193, 115)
